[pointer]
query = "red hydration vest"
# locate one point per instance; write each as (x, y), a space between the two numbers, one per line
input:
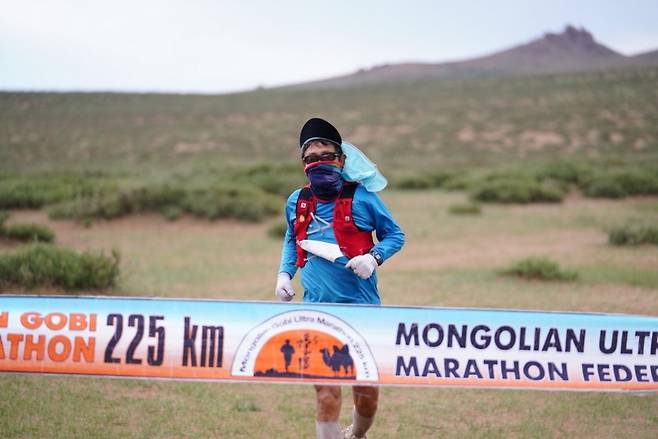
(352, 241)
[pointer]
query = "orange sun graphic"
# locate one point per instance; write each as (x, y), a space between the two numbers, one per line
(305, 353)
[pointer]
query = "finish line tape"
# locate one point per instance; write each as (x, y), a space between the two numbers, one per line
(329, 344)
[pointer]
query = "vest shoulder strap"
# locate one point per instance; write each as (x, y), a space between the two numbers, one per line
(306, 193)
(348, 190)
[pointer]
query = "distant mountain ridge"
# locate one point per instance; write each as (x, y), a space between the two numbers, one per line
(572, 50)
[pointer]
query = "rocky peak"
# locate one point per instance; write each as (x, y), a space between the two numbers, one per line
(571, 35)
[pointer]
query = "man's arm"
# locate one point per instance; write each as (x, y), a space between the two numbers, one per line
(370, 213)
(287, 266)
(289, 251)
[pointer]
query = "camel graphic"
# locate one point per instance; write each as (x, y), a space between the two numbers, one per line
(340, 357)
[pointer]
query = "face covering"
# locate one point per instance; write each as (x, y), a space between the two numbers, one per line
(326, 180)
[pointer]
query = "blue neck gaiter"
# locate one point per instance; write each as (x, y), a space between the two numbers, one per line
(326, 180)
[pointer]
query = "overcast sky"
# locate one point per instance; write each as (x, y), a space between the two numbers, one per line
(222, 46)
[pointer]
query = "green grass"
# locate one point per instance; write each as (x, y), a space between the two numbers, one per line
(648, 206)
(591, 130)
(643, 278)
(446, 262)
(92, 407)
(426, 124)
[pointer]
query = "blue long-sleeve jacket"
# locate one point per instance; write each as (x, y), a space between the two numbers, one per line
(326, 281)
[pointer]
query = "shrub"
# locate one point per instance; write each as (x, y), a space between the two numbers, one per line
(634, 234)
(459, 183)
(465, 209)
(413, 181)
(246, 203)
(172, 213)
(29, 232)
(539, 268)
(517, 190)
(50, 266)
(278, 179)
(423, 180)
(566, 172)
(105, 206)
(211, 202)
(439, 177)
(35, 191)
(621, 183)
(24, 193)
(153, 198)
(62, 211)
(509, 174)
(604, 188)
(246, 406)
(637, 181)
(277, 231)
(4, 216)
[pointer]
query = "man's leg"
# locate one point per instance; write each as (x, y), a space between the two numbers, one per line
(329, 399)
(365, 407)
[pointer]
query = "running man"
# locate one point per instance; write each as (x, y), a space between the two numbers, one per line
(287, 349)
(335, 211)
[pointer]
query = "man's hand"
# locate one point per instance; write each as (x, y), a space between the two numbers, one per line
(284, 289)
(363, 265)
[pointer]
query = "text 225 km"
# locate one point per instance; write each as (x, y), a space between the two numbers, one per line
(154, 354)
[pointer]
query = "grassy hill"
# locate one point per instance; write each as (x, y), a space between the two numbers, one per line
(421, 124)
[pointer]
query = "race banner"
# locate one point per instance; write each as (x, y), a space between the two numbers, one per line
(328, 344)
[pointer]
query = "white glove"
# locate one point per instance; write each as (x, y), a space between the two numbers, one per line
(363, 265)
(284, 289)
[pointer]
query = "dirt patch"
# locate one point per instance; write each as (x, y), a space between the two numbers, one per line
(496, 133)
(538, 140)
(403, 129)
(466, 134)
(192, 148)
(365, 134)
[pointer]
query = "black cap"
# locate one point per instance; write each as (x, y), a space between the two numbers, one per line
(319, 129)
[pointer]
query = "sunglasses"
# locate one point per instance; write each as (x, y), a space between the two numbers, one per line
(324, 157)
